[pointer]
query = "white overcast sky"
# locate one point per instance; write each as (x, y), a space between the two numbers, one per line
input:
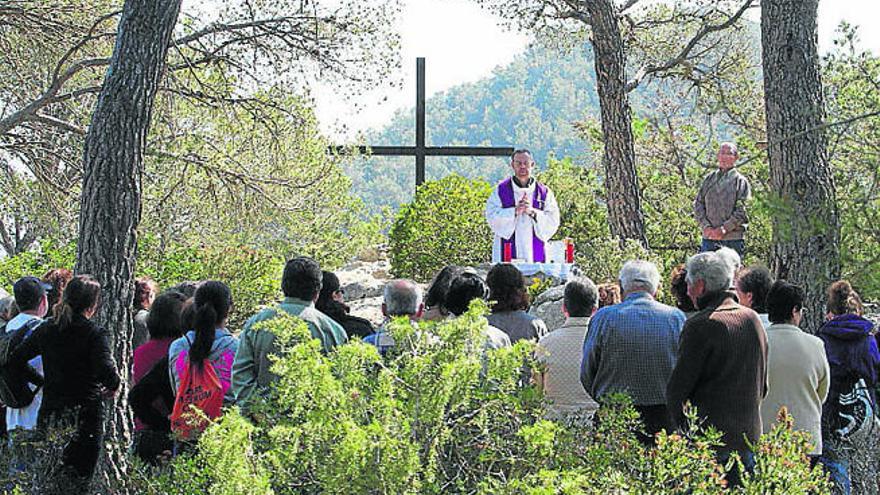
(463, 43)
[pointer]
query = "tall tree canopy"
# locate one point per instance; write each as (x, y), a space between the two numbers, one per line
(240, 67)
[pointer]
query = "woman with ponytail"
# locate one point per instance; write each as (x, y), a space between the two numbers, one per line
(855, 364)
(79, 372)
(209, 340)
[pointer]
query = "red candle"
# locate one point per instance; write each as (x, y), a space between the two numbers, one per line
(569, 251)
(506, 257)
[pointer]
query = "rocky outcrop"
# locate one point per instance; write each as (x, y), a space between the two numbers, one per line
(548, 307)
(363, 283)
(362, 279)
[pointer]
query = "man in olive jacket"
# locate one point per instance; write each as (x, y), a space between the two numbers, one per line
(722, 360)
(301, 284)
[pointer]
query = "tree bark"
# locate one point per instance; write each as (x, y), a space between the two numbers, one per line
(111, 194)
(624, 201)
(806, 233)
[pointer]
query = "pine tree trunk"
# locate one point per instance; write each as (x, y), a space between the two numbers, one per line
(625, 214)
(806, 236)
(111, 195)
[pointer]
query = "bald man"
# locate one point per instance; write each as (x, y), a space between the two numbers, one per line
(720, 208)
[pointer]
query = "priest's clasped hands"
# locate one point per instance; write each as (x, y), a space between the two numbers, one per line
(524, 207)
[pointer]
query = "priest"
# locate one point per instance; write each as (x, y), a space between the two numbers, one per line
(522, 213)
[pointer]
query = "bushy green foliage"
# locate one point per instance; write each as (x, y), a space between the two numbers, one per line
(443, 225)
(437, 416)
(223, 463)
(850, 76)
(253, 275)
(35, 262)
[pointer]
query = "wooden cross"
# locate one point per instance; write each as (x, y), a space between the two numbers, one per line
(420, 151)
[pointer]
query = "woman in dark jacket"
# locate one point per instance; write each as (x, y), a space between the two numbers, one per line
(855, 362)
(435, 298)
(331, 303)
(79, 372)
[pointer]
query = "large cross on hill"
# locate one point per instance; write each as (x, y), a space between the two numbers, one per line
(420, 151)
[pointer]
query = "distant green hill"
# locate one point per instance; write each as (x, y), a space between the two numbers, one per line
(530, 103)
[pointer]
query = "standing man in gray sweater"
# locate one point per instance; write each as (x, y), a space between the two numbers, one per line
(720, 208)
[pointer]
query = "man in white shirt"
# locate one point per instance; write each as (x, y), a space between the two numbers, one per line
(560, 353)
(30, 297)
(522, 213)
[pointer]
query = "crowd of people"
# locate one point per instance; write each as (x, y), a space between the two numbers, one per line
(730, 346)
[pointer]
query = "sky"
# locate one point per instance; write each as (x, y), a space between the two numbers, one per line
(463, 43)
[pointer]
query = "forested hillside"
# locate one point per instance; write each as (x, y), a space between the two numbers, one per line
(530, 103)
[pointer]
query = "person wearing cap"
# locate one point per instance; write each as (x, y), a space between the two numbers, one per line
(720, 205)
(33, 304)
(631, 348)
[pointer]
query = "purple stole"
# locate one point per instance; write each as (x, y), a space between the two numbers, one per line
(505, 192)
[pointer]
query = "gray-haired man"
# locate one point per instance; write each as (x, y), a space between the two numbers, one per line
(722, 360)
(719, 207)
(402, 297)
(631, 347)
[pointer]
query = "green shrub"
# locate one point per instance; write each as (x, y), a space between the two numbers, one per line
(443, 225)
(36, 262)
(253, 275)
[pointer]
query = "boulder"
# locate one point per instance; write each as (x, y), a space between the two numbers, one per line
(548, 307)
(363, 282)
(369, 308)
(362, 279)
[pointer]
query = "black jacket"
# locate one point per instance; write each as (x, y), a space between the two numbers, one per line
(77, 363)
(353, 325)
(155, 385)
